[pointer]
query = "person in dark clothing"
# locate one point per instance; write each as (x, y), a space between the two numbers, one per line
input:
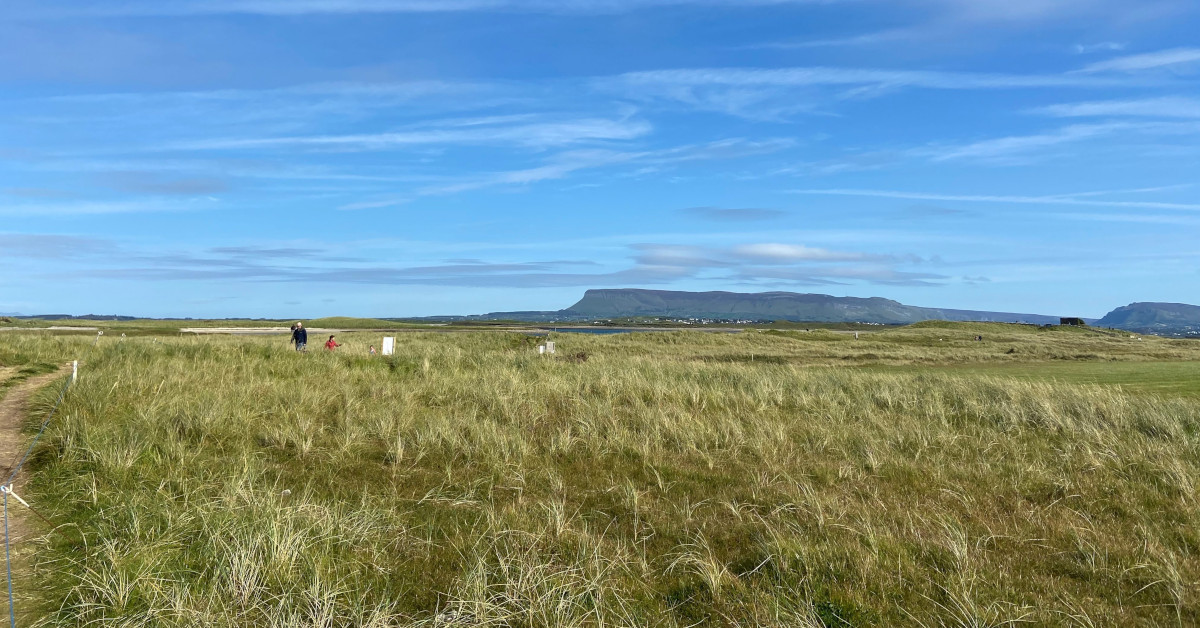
(300, 336)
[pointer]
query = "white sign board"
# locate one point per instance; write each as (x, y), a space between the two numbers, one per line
(389, 345)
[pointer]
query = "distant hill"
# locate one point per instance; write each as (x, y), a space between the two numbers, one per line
(85, 317)
(789, 306)
(1158, 318)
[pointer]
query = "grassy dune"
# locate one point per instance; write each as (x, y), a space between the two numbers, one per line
(667, 479)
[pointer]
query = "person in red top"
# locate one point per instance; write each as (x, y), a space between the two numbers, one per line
(331, 344)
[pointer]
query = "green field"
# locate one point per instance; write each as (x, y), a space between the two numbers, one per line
(1163, 378)
(911, 477)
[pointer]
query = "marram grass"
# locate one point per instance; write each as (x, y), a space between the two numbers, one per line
(665, 480)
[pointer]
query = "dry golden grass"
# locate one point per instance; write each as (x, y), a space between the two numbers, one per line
(667, 479)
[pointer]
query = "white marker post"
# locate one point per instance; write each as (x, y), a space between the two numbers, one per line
(549, 347)
(74, 370)
(389, 345)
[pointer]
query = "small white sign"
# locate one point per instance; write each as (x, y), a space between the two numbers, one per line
(389, 345)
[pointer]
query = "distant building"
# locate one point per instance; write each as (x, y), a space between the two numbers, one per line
(1074, 322)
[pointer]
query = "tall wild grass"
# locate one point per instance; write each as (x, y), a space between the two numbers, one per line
(649, 480)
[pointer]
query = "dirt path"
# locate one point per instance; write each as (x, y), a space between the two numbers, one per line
(13, 408)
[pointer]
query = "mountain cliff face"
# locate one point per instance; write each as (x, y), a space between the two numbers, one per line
(773, 306)
(1171, 318)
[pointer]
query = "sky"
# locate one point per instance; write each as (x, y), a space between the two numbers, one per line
(390, 158)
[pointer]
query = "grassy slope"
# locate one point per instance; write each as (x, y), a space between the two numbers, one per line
(668, 479)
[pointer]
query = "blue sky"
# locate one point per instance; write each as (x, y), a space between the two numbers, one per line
(300, 158)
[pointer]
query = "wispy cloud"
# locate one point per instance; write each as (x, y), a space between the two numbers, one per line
(647, 264)
(958, 11)
(259, 252)
(1104, 46)
(779, 92)
(564, 164)
(875, 274)
(1149, 61)
(1169, 107)
(773, 262)
(727, 214)
(35, 192)
(259, 113)
(306, 7)
(1029, 11)
(96, 208)
(480, 274)
(52, 246)
(925, 21)
(817, 76)
(1017, 145)
(776, 253)
(1152, 219)
(1016, 150)
(864, 39)
(535, 135)
(1077, 199)
(138, 182)
(377, 204)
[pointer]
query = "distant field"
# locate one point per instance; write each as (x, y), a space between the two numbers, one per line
(1164, 378)
(910, 477)
(156, 326)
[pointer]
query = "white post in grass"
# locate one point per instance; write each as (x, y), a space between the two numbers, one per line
(549, 347)
(541, 349)
(389, 345)
(74, 370)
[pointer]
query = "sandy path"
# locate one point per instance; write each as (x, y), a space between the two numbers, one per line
(13, 408)
(51, 328)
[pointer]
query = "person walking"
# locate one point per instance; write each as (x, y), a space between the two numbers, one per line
(331, 344)
(300, 336)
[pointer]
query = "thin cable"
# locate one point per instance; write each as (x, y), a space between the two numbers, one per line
(12, 613)
(53, 527)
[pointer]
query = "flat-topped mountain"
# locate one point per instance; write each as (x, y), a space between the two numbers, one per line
(623, 303)
(1178, 318)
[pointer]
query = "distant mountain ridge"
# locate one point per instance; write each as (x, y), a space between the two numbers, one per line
(69, 317)
(1171, 318)
(791, 306)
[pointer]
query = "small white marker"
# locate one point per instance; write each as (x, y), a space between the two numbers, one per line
(8, 489)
